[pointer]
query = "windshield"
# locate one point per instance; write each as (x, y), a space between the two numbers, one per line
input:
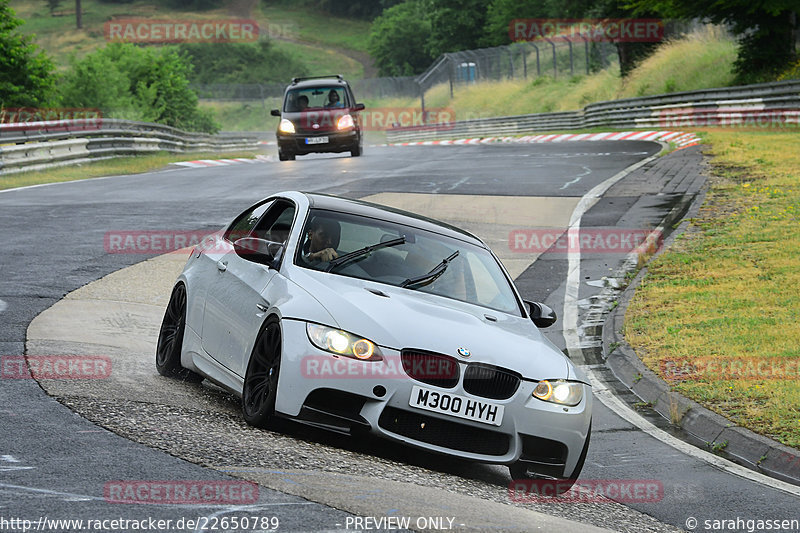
(308, 98)
(403, 256)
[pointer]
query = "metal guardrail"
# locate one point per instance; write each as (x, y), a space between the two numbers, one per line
(39, 145)
(766, 104)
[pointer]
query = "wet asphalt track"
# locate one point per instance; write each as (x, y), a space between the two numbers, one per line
(53, 463)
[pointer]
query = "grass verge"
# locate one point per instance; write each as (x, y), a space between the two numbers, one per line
(721, 304)
(700, 60)
(108, 167)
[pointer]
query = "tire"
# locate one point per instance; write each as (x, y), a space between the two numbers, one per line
(520, 471)
(285, 157)
(170, 338)
(356, 151)
(261, 379)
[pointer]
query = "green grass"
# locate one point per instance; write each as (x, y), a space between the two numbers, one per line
(322, 60)
(701, 60)
(109, 167)
(324, 42)
(252, 115)
(725, 293)
(312, 26)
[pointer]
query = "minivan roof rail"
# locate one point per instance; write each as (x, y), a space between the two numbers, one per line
(337, 76)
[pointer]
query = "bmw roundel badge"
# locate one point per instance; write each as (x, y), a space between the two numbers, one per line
(463, 352)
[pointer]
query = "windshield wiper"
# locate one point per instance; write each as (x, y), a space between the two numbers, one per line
(346, 258)
(434, 273)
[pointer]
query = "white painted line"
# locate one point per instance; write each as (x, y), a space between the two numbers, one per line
(605, 395)
(615, 404)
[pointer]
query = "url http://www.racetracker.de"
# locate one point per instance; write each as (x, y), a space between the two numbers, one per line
(202, 523)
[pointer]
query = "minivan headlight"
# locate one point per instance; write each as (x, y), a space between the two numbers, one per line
(286, 126)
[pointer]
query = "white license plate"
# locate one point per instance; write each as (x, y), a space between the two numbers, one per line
(456, 405)
(316, 140)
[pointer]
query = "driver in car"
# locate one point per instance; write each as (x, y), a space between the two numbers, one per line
(322, 238)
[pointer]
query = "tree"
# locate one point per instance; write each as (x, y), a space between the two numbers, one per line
(127, 81)
(456, 25)
(766, 29)
(362, 9)
(53, 5)
(398, 39)
(27, 74)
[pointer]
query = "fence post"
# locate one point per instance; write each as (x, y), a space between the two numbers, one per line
(555, 69)
(586, 53)
(524, 61)
(571, 61)
(449, 74)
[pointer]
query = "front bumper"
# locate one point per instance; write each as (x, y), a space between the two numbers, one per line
(378, 394)
(296, 143)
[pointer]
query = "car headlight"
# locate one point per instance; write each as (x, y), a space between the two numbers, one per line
(343, 343)
(286, 126)
(559, 391)
(345, 122)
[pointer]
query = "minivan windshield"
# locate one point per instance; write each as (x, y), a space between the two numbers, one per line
(417, 260)
(316, 98)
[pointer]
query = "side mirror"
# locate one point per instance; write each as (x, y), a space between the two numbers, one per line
(275, 112)
(258, 250)
(541, 315)
(359, 107)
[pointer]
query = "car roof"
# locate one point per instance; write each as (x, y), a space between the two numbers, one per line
(316, 82)
(389, 214)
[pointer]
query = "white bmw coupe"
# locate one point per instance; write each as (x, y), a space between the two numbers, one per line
(352, 316)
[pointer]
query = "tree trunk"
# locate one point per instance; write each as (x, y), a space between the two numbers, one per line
(78, 15)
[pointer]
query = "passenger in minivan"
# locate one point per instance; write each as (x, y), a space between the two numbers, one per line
(333, 99)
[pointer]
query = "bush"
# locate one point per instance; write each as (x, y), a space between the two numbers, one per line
(134, 83)
(240, 63)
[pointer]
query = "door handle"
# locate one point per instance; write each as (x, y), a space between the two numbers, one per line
(222, 266)
(262, 307)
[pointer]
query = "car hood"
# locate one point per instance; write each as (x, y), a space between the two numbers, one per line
(403, 318)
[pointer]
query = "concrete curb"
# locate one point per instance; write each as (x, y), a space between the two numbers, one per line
(711, 430)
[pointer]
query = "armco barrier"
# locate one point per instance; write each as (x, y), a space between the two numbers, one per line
(38, 145)
(776, 102)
